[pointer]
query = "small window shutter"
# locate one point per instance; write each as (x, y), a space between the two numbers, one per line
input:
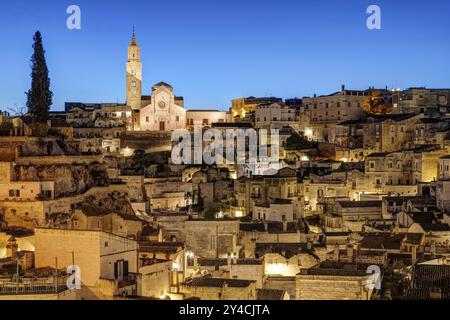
(115, 270)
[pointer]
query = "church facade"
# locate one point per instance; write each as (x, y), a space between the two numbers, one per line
(162, 111)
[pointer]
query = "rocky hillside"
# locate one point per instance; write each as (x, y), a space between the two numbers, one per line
(46, 147)
(69, 179)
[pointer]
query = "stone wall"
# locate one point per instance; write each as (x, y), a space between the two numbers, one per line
(209, 238)
(93, 252)
(329, 287)
(222, 293)
(282, 283)
(156, 279)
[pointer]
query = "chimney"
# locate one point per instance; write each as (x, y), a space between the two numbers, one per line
(12, 247)
(285, 225)
(433, 251)
(343, 88)
(396, 228)
(336, 253)
(224, 289)
(350, 252)
(266, 226)
(414, 255)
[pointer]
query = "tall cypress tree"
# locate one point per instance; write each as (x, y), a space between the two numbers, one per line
(39, 96)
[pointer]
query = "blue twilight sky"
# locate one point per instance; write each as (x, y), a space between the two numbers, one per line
(216, 50)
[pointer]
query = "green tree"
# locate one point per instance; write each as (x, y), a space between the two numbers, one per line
(139, 160)
(39, 97)
(298, 141)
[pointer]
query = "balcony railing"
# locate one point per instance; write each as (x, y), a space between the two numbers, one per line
(128, 280)
(26, 286)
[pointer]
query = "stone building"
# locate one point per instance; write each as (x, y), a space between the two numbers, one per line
(275, 116)
(286, 259)
(426, 163)
(358, 210)
(233, 268)
(99, 139)
(334, 281)
(388, 133)
(97, 115)
(162, 111)
(443, 195)
(168, 194)
(241, 107)
(259, 190)
(444, 168)
(394, 173)
(429, 282)
(432, 131)
(212, 238)
(277, 210)
(155, 278)
(107, 262)
(12, 189)
(118, 223)
(400, 172)
(422, 100)
(320, 115)
(219, 289)
(206, 118)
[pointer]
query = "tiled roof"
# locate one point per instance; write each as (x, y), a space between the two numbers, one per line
(218, 283)
(393, 117)
(434, 227)
(338, 234)
(382, 241)
(360, 204)
(333, 268)
(425, 277)
(149, 231)
(252, 227)
(203, 262)
(162, 247)
(423, 217)
(272, 227)
(287, 250)
(378, 154)
(223, 262)
(232, 125)
(269, 294)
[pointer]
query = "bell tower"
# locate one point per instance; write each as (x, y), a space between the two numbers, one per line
(134, 75)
